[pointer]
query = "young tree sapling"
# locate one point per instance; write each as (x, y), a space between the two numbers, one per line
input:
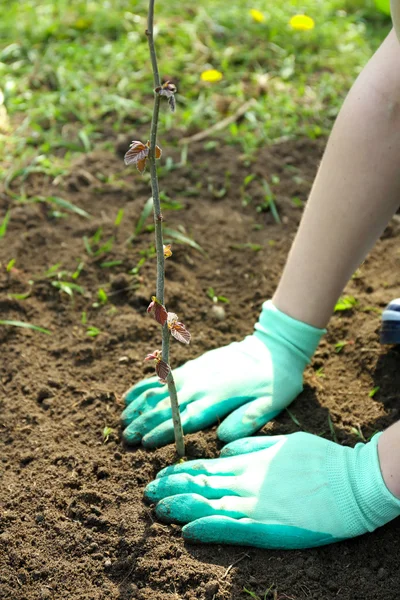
(140, 154)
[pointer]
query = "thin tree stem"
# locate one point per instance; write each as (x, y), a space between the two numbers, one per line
(176, 418)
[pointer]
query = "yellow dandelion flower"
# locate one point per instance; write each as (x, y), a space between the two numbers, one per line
(211, 75)
(258, 16)
(302, 23)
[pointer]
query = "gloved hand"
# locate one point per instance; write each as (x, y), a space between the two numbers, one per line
(295, 491)
(253, 380)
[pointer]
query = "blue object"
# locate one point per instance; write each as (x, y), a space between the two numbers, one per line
(390, 329)
(294, 491)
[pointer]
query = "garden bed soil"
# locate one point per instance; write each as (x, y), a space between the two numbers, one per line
(72, 521)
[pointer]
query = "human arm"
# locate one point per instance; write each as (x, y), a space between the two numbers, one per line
(355, 193)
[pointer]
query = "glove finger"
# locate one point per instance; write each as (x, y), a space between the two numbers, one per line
(184, 508)
(144, 423)
(136, 390)
(247, 532)
(247, 419)
(205, 466)
(144, 403)
(198, 415)
(211, 487)
(252, 444)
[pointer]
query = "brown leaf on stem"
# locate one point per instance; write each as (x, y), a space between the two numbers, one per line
(138, 154)
(141, 165)
(162, 368)
(158, 311)
(156, 355)
(177, 329)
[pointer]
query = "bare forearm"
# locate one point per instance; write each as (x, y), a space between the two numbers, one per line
(389, 458)
(356, 191)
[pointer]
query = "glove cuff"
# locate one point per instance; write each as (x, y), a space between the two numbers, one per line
(300, 336)
(373, 505)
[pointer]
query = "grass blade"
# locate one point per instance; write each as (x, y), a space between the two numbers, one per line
(146, 212)
(67, 206)
(4, 224)
(181, 238)
(26, 326)
(119, 217)
(294, 419)
(332, 429)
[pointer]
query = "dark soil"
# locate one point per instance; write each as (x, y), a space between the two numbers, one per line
(72, 521)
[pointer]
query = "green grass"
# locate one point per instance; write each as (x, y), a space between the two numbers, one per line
(71, 70)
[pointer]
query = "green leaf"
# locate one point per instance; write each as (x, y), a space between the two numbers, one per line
(332, 429)
(248, 179)
(96, 237)
(270, 202)
(87, 245)
(106, 247)
(52, 271)
(144, 215)
(68, 287)
(92, 331)
(83, 136)
(26, 326)
(172, 205)
(345, 303)
(294, 419)
(67, 206)
(107, 431)
(78, 271)
(119, 217)
(10, 265)
(111, 263)
(248, 246)
(102, 296)
(84, 318)
(340, 345)
(181, 238)
(373, 391)
(211, 293)
(4, 224)
(20, 296)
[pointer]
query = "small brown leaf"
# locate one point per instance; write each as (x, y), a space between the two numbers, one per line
(141, 165)
(180, 333)
(156, 355)
(162, 370)
(158, 311)
(178, 330)
(137, 152)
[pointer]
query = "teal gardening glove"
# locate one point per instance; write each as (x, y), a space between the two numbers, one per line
(295, 491)
(251, 381)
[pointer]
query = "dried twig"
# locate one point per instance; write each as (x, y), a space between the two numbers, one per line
(233, 564)
(201, 135)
